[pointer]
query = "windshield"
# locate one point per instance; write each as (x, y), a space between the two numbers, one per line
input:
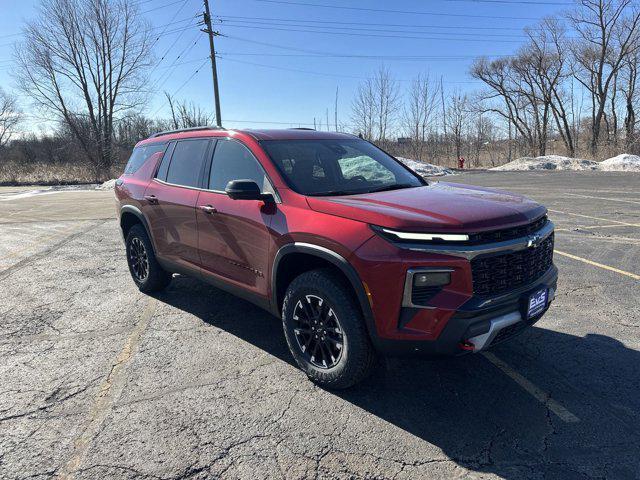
(338, 167)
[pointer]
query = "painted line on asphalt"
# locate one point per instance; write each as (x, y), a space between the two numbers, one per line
(596, 218)
(600, 265)
(603, 198)
(108, 394)
(537, 393)
(591, 227)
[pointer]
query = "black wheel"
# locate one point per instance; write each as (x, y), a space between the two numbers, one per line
(325, 330)
(145, 270)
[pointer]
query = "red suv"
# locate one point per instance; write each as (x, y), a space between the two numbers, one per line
(355, 252)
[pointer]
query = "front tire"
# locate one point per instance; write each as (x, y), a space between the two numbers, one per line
(145, 270)
(325, 330)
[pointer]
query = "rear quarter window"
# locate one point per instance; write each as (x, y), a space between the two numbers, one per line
(140, 155)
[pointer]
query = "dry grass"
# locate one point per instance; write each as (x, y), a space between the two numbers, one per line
(35, 173)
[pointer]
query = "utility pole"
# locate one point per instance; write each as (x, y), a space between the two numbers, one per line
(214, 70)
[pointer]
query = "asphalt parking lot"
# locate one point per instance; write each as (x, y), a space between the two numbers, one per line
(99, 381)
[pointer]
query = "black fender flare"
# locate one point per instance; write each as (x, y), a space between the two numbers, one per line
(335, 259)
(143, 220)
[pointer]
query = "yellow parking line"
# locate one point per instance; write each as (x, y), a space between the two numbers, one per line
(533, 390)
(596, 218)
(600, 265)
(603, 198)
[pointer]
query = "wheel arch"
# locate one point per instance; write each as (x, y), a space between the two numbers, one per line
(315, 256)
(130, 216)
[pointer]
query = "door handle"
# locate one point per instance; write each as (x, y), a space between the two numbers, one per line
(151, 199)
(208, 209)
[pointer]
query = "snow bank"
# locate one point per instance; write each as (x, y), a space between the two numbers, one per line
(622, 163)
(548, 162)
(108, 185)
(425, 169)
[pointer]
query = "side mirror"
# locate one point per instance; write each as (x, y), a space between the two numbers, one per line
(245, 190)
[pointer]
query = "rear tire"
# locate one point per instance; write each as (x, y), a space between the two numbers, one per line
(325, 330)
(145, 270)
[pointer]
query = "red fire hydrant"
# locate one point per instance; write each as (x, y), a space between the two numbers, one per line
(461, 163)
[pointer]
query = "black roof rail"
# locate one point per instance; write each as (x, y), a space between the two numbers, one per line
(180, 130)
(302, 128)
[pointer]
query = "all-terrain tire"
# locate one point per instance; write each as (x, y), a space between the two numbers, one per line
(145, 270)
(356, 358)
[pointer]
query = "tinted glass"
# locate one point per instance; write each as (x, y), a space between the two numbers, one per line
(164, 165)
(186, 162)
(141, 155)
(338, 167)
(234, 161)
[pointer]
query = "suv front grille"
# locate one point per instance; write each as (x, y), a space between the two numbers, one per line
(507, 233)
(499, 274)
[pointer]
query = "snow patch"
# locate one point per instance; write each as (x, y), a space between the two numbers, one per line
(425, 169)
(108, 185)
(621, 163)
(548, 162)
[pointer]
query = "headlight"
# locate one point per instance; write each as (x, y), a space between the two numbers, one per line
(399, 236)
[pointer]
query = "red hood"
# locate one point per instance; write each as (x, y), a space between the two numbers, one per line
(438, 207)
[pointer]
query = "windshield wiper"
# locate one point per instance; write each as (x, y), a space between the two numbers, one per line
(385, 188)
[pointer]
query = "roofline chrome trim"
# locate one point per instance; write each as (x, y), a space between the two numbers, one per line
(470, 252)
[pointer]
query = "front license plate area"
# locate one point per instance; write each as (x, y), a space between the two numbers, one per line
(537, 302)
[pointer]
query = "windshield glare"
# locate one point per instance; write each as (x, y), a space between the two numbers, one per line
(337, 167)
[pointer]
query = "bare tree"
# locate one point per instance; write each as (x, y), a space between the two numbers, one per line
(376, 105)
(10, 117)
(456, 118)
(418, 113)
(629, 89)
(83, 61)
(607, 33)
(387, 101)
(187, 115)
(363, 110)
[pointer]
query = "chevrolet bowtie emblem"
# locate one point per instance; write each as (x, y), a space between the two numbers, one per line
(534, 241)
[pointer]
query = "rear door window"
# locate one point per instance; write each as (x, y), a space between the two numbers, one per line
(140, 155)
(187, 162)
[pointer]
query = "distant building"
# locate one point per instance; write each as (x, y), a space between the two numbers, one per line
(404, 140)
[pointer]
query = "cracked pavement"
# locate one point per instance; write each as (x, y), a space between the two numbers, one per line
(99, 381)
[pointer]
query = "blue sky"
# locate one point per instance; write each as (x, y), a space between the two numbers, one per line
(261, 82)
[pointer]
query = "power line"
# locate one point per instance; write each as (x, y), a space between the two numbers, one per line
(182, 85)
(515, 2)
(449, 39)
(319, 53)
(249, 23)
(310, 72)
(382, 10)
(163, 6)
(167, 76)
(333, 22)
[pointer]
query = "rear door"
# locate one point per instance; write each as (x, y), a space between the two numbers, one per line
(170, 200)
(233, 235)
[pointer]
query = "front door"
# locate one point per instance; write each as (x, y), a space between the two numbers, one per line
(233, 235)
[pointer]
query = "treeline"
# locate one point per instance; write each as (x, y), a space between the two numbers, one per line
(570, 89)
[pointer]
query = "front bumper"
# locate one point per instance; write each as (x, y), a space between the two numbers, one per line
(478, 324)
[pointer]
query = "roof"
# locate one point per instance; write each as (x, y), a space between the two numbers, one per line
(295, 134)
(266, 134)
